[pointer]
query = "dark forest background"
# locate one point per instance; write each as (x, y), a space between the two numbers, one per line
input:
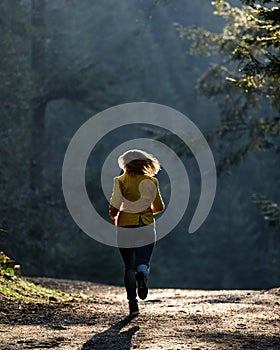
(62, 61)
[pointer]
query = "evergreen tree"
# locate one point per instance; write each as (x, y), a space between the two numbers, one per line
(245, 84)
(15, 117)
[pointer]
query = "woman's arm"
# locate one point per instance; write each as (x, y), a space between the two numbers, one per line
(114, 213)
(157, 204)
(115, 201)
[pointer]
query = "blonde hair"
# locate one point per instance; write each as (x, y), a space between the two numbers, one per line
(136, 162)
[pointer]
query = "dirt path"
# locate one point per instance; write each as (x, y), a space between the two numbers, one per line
(169, 319)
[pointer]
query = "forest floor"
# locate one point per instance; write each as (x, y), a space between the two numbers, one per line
(169, 319)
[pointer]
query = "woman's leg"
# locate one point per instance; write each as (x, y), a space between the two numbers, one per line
(144, 253)
(142, 262)
(128, 256)
(143, 258)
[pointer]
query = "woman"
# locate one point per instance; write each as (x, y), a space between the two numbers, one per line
(134, 202)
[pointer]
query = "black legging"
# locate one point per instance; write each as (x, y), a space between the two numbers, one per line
(138, 258)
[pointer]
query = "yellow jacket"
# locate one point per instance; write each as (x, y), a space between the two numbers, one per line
(135, 197)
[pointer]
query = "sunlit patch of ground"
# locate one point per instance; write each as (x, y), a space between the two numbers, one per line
(169, 319)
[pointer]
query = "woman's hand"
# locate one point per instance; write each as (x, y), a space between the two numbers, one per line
(114, 213)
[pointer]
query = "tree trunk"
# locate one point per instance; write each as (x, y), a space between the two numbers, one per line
(37, 217)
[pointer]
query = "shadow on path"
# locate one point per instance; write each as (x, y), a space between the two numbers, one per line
(240, 341)
(113, 338)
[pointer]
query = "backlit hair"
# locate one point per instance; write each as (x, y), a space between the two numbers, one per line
(136, 162)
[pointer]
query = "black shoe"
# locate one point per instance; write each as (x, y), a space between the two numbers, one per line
(133, 309)
(142, 285)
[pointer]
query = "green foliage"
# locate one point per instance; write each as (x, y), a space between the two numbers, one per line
(5, 270)
(98, 54)
(252, 37)
(270, 210)
(249, 76)
(27, 291)
(245, 79)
